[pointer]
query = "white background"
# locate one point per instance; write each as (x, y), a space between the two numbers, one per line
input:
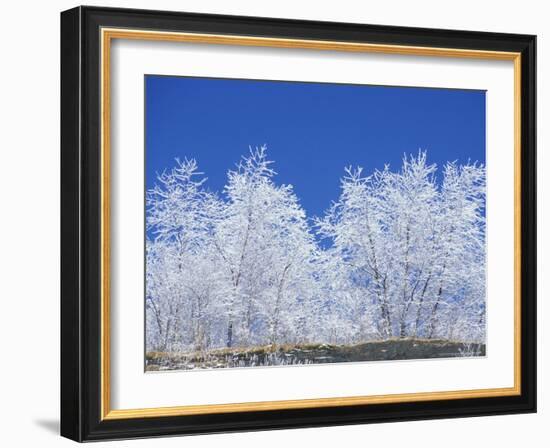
(29, 105)
(132, 388)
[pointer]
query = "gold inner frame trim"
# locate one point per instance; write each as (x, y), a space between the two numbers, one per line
(107, 35)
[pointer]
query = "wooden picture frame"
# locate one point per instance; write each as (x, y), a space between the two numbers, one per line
(86, 35)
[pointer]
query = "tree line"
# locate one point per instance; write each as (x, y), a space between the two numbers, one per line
(398, 254)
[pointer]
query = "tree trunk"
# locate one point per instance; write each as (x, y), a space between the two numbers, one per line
(419, 308)
(230, 335)
(433, 316)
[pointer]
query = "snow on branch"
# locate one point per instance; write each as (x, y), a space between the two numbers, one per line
(405, 257)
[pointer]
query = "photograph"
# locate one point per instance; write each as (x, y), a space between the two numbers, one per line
(295, 223)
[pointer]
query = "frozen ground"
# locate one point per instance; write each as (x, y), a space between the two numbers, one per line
(395, 349)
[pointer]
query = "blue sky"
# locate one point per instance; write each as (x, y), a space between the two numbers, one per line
(312, 130)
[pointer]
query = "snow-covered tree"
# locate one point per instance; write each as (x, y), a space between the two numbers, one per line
(183, 286)
(238, 270)
(403, 255)
(409, 248)
(265, 245)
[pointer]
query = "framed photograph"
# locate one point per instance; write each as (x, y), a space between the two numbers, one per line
(273, 223)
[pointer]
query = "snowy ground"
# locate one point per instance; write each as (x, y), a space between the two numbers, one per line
(397, 349)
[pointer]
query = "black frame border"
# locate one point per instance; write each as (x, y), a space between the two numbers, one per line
(81, 224)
